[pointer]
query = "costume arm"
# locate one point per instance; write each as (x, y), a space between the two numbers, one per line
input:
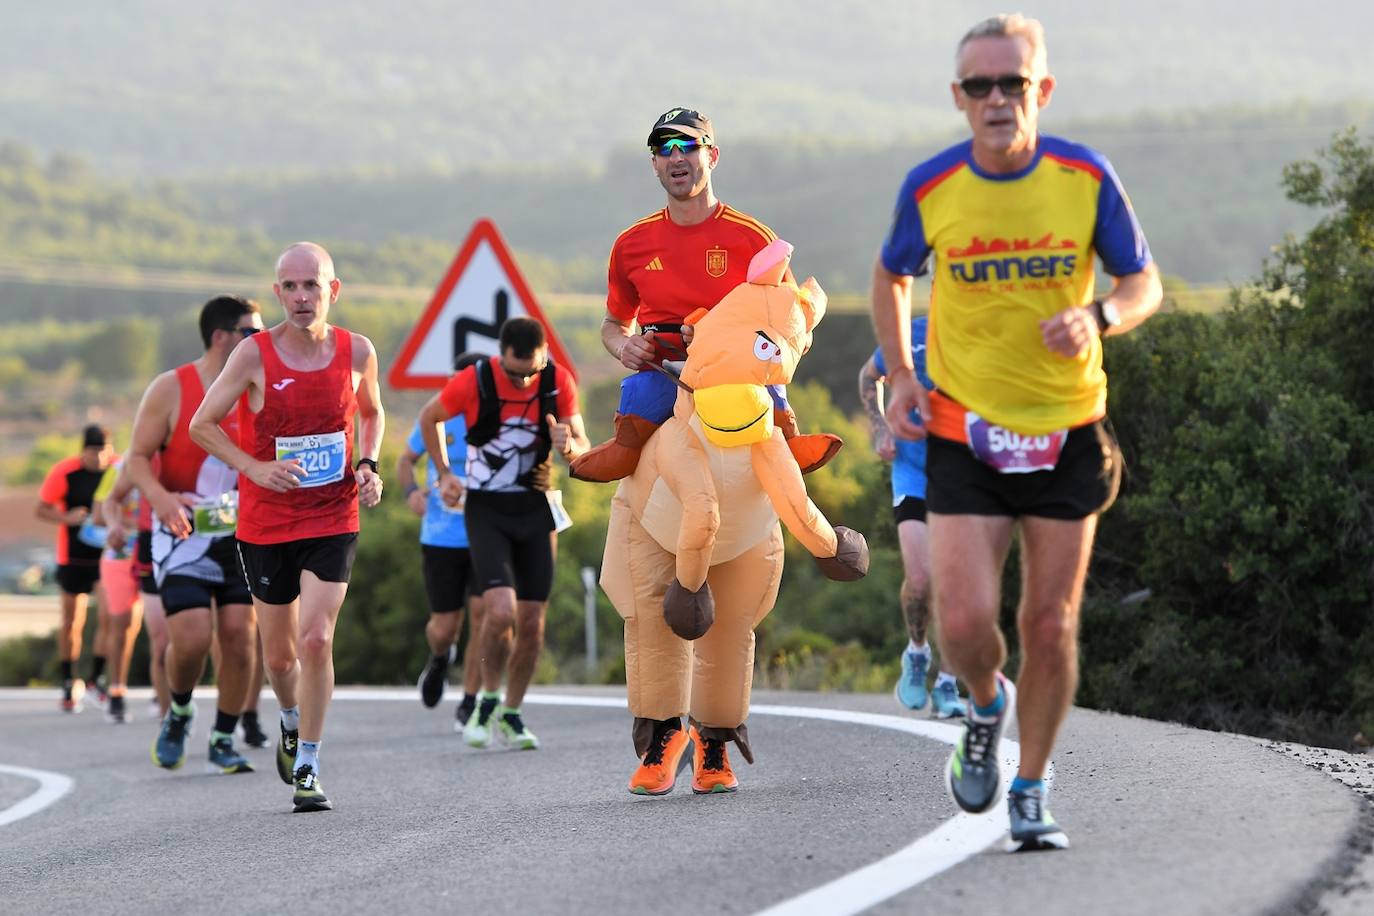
(683, 466)
(781, 479)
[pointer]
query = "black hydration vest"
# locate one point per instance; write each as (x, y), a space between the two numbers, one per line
(488, 423)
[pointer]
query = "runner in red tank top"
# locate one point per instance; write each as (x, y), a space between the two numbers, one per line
(301, 480)
(195, 563)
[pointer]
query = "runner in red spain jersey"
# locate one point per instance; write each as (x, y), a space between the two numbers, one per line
(666, 266)
(194, 561)
(302, 476)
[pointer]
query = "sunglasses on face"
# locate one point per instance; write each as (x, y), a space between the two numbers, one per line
(1013, 85)
(687, 147)
(242, 332)
(521, 377)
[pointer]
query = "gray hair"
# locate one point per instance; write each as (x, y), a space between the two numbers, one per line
(1009, 25)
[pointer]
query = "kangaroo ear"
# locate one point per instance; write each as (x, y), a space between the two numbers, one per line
(812, 301)
(768, 267)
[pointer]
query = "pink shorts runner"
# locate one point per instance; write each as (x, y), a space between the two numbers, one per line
(120, 579)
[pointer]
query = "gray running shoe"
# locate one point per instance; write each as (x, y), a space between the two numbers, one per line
(309, 794)
(974, 777)
(286, 753)
(169, 748)
(224, 759)
(1032, 825)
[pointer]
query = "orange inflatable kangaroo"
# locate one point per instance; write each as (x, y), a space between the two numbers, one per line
(694, 552)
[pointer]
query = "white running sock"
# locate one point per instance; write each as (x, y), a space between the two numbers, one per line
(291, 718)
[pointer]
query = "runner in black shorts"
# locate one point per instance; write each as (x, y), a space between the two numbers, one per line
(519, 409)
(65, 499)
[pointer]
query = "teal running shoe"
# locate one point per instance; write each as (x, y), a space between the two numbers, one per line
(477, 731)
(286, 753)
(169, 749)
(1032, 825)
(911, 686)
(512, 730)
(974, 778)
(224, 759)
(309, 794)
(945, 701)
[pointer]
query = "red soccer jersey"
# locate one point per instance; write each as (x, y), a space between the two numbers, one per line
(662, 272)
(508, 459)
(308, 416)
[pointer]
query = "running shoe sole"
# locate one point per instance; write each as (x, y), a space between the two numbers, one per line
(305, 806)
(1007, 723)
(1041, 843)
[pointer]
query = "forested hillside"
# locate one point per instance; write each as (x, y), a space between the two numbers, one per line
(153, 87)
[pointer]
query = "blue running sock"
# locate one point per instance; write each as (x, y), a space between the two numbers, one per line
(993, 709)
(1020, 784)
(308, 754)
(291, 718)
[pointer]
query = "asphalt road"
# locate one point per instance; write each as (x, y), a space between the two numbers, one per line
(1163, 819)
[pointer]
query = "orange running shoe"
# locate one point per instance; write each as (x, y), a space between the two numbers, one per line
(657, 772)
(711, 771)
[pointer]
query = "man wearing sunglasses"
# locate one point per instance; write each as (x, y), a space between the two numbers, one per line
(1009, 223)
(196, 565)
(519, 409)
(667, 265)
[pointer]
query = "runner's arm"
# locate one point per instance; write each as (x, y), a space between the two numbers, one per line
(152, 424)
(892, 321)
(1136, 296)
(633, 351)
(568, 436)
(405, 476)
(50, 513)
(432, 417)
(871, 396)
(372, 421)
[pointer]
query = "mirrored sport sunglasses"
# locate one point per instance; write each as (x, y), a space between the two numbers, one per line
(242, 332)
(687, 147)
(1013, 85)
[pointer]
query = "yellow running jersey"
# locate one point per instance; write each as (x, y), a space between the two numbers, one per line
(1010, 251)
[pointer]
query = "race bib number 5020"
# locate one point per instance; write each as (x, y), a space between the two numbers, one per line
(322, 456)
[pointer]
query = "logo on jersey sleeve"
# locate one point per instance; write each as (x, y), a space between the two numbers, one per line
(1004, 260)
(655, 264)
(716, 262)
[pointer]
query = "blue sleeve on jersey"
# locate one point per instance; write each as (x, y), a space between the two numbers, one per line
(416, 442)
(1118, 238)
(905, 251)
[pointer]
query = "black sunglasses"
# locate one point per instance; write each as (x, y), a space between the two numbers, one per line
(521, 377)
(1013, 85)
(242, 332)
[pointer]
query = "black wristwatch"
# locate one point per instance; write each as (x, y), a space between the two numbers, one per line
(1105, 314)
(370, 463)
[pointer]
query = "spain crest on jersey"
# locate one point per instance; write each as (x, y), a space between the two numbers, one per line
(715, 262)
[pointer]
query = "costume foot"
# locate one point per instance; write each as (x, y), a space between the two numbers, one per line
(618, 456)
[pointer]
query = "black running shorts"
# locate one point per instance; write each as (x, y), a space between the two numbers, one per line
(1083, 483)
(512, 542)
(181, 593)
(448, 571)
(910, 509)
(274, 570)
(77, 580)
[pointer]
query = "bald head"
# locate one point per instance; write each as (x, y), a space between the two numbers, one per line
(307, 256)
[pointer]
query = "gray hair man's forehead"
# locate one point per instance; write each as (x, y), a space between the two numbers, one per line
(1009, 25)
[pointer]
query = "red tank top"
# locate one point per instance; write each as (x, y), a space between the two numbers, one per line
(180, 461)
(311, 411)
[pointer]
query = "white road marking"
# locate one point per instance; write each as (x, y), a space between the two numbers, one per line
(959, 838)
(51, 787)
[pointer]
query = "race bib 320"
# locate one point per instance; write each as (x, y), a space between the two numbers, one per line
(321, 455)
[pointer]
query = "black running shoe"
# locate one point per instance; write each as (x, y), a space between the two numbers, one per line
(464, 712)
(434, 678)
(253, 735)
(115, 712)
(309, 794)
(286, 753)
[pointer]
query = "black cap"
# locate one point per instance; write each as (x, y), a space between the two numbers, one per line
(94, 436)
(682, 122)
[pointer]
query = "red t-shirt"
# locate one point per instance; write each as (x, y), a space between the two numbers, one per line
(662, 272)
(507, 462)
(67, 486)
(308, 415)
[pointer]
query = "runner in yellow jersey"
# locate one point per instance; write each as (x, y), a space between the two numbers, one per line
(1009, 223)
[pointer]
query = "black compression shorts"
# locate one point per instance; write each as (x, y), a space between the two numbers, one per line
(512, 542)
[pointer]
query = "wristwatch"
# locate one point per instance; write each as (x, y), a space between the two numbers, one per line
(1105, 314)
(369, 462)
